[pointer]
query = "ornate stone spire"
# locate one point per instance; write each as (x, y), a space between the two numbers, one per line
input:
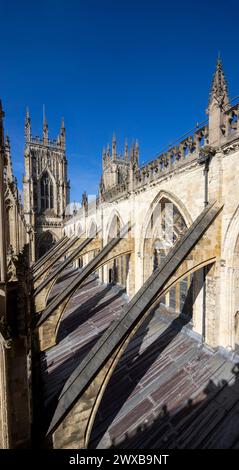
(104, 157)
(126, 150)
(3, 267)
(218, 104)
(63, 134)
(1, 110)
(45, 128)
(114, 146)
(1, 125)
(7, 141)
(74, 208)
(134, 154)
(27, 126)
(8, 159)
(219, 91)
(84, 201)
(108, 151)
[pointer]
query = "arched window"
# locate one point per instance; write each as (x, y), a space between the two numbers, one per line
(46, 192)
(158, 254)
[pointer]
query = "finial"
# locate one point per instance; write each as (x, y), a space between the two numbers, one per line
(114, 145)
(126, 149)
(132, 151)
(27, 117)
(1, 109)
(45, 127)
(219, 91)
(219, 59)
(44, 116)
(27, 125)
(74, 208)
(63, 134)
(136, 151)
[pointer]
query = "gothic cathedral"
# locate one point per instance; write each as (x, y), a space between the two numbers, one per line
(45, 187)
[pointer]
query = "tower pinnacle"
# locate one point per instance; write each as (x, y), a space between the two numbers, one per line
(1, 110)
(1, 125)
(134, 154)
(27, 126)
(219, 90)
(45, 127)
(126, 150)
(63, 134)
(114, 146)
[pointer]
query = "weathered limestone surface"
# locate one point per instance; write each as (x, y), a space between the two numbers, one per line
(15, 336)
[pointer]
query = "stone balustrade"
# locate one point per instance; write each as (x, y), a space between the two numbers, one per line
(176, 156)
(50, 143)
(230, 125)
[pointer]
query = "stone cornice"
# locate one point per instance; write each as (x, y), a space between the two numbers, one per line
(231, 147)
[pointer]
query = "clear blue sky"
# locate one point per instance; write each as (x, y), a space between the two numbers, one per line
(141, 68)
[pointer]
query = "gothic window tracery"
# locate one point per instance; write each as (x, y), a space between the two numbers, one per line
(158, 254)
(47, 201)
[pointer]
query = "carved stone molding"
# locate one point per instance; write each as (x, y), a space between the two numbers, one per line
(230, 148)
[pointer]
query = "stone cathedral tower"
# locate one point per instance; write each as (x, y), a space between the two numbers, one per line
(45, 186)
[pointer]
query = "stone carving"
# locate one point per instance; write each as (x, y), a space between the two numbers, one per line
(11, 264)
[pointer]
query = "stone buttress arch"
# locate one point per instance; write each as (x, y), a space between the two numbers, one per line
(48, 340)
(81, 396)
(102, 379)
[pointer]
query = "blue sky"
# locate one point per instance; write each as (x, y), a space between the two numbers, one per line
(142, 69)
